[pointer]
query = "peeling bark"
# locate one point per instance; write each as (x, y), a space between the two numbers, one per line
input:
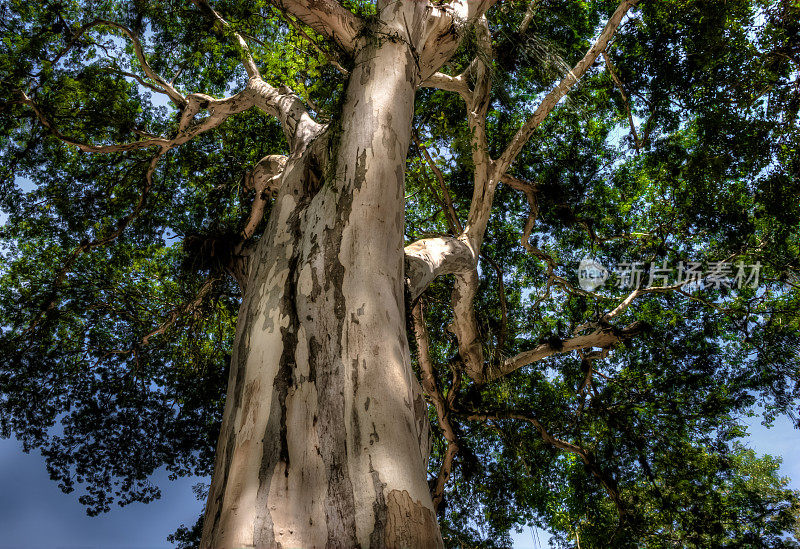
(324, 439)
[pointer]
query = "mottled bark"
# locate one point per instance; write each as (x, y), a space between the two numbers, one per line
(324, 438)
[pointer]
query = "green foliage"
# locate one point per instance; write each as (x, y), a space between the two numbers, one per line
(711, 174)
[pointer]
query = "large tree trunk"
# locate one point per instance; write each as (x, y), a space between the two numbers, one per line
(324, 438)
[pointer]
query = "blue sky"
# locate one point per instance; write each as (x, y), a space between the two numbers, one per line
(34, 514)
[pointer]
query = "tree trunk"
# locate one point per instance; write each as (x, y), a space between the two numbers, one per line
(324, 439)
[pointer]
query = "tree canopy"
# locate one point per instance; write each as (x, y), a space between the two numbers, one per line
(609, 417)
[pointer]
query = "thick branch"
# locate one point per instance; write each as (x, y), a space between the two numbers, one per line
(444, 33)
(457, 84)
(556, 94)
(465, 323)
(603, 338)
(432, 257)
(167, 88)
(327, 17)
(265, 181)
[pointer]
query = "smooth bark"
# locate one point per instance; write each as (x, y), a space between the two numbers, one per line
(325, 438)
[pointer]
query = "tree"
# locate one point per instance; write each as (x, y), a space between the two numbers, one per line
(324, 185)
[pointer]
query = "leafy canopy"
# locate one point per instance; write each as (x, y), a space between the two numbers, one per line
(117, 313)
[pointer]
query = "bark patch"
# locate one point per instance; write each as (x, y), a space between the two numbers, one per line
(409, 523)
(378, 508)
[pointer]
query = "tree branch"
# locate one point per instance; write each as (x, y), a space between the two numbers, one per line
(447, 21)
(612, 72)
(429, 258)
(457, 84)
(450, 211)
(175, 314)
(219, 110)
(225, 29)
(556, 94)
(465, 323)
(586, 456)
(530, 191)
(167, 88)
(264, 179)
(603, 338)
(529, 13)
(440, 403)
(327, 17)
(298, 126)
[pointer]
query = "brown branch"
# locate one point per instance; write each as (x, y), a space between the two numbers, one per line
(282, 104)
(621, 88)
(136, 77)
(178, 312)
(450, 211)
(219, 110)
(167, 88)
(86, 147)
(465, 324)
(586, 456)
(603, 338)
(501, 291)
(530, 191)
(160, 86)
(529, 13)
(440, 403)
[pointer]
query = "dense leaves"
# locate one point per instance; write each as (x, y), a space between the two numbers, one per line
(117, 316)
